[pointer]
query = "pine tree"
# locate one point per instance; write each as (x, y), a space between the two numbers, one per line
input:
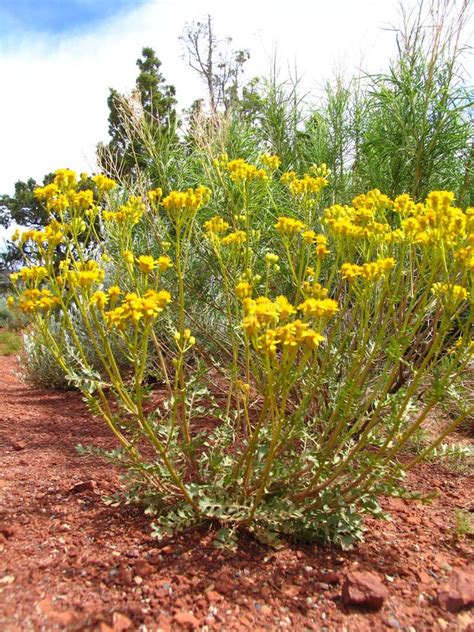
(154, 102)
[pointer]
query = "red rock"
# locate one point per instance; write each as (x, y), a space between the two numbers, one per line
(84, 486)
(331, 578)
(423, 577)
(121, 622)
(143, 568)
(7, 530)
(458, 593)
(213, 596)
(46, 606)
(364, 589)
(18, 446)
(186, 619)
(103, 627)
(398, 504)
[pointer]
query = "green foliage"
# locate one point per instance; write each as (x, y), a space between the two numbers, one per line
(10, 343)
(153, 101)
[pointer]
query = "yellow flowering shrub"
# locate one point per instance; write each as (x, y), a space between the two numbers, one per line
(325, 325)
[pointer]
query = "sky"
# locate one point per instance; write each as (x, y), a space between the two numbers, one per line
(58, 59)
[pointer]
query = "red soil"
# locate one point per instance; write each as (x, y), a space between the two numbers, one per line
(69, 562)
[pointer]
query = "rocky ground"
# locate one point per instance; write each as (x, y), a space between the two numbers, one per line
(69, 562)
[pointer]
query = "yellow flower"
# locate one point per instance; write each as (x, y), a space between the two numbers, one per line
(454, 293)
(319, 308)
(216, 225)
(128, 256)
(289, 226)
(309, 236)
(99, 299)
(284, 308)
(103, 183)
(271, 258)
(114, 292)
(241, 171)
(146, 263)
(34, 300)
(191, 200)
(155, 195)
(243, 289)
(307, 185)
(130, 212)
(273, 162)
(65, 179)
(238, 237)
(164, 262)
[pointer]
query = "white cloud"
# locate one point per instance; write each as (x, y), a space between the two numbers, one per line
(53, 107)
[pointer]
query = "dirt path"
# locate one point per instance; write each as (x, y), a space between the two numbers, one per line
(69, 562)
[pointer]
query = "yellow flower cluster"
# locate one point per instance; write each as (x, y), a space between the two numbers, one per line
(370, 271)
(360, 221)
(134, 308)
(243, 289)
(146, 263)
(436, 220)
(237, 237)
(34, 300)
(315, 290)
(319, 308)
(53, 234)
(61, 193)
(307, 185)
(35, 274)
(289, 226)
(374, 200)
(453, 293)
(191, 200)
(465, 256)
(288, 176)
(241, 171)
(260, 320)
(155, 195)
(85, 274)
(216, 225)
(131, 212)
(103, 183)
(273, 162)
(310, 237)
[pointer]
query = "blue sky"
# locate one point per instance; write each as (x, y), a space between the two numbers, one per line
(58, 16)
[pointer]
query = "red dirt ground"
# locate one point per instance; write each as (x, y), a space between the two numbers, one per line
(69, 562)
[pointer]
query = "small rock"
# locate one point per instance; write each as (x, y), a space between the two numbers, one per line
(458, 593)
(364, 589)
(7, 530)
(332, 578)
(18, 446)
(423, 577)
(187, 620)
(394, 623)
(143, 568)
(213, 596)
(84, 486)
(121, 622)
